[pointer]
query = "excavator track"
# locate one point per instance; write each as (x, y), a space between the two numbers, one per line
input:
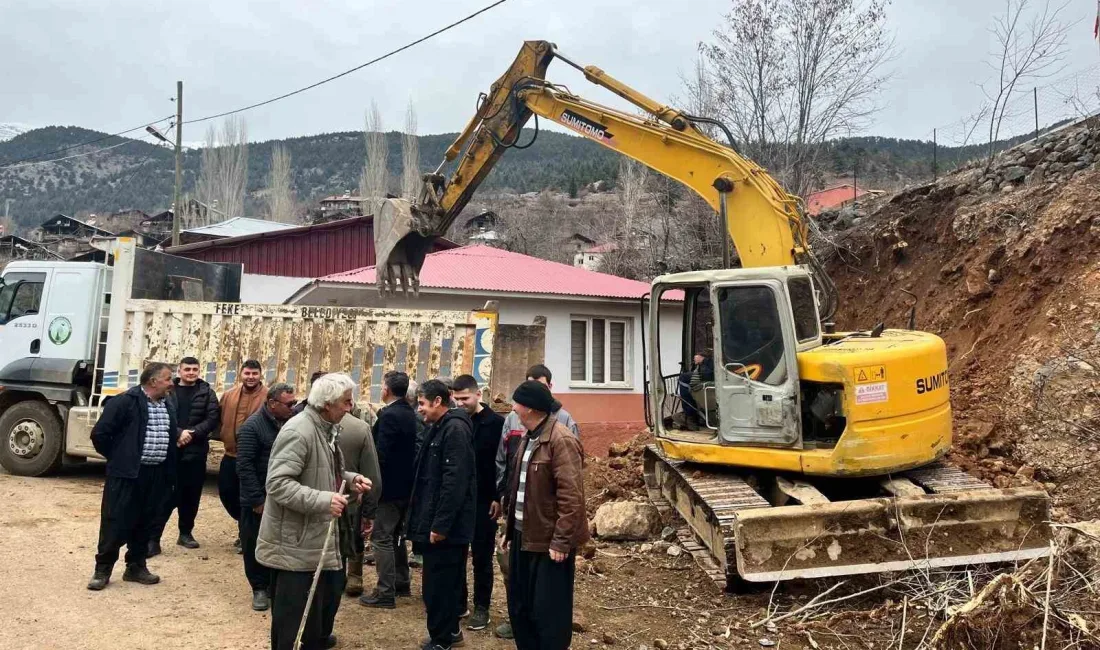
(936, 515)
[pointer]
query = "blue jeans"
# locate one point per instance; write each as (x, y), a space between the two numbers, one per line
(691, 409)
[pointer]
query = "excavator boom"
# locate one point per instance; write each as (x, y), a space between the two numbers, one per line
(762, 220)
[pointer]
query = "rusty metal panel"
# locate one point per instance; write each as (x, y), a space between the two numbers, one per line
(517, 348)
(294, 341)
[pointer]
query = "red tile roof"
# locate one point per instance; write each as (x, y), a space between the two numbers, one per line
(831, 197)
(483, 268)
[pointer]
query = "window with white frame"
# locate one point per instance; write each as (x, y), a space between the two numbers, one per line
(599, 351)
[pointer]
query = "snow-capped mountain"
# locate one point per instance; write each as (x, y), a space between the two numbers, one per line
(11, 129)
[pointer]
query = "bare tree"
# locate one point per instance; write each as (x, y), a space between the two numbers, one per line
(1030, 46)
(535, 228)
(702, 94)
(280, 196)
(224, 175)
(792, 74)
(372, 184)
(410, 157)
(629, 230)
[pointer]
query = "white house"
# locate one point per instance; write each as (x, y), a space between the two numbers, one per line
(593, 342)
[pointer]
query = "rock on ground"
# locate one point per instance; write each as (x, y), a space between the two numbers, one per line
(627, 520)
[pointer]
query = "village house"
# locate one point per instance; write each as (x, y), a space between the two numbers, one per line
(67, 237)
(338, 206)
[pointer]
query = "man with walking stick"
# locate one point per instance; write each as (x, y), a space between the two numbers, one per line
(297, 535)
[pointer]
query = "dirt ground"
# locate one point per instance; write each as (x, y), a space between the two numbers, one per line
(625, 599)
(48, 535)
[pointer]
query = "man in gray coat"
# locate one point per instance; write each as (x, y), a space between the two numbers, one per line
(360, 457)
(303, 497)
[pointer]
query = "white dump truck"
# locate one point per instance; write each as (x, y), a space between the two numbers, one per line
(73, 334)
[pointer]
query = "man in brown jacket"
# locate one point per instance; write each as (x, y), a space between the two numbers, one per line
(546, 523)
(237, 405)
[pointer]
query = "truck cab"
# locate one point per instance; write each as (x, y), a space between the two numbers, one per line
(51, 319)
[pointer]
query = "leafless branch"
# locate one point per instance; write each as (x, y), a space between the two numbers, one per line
(1031, 45)
(224, 175)
(280, 196)
(372, 184)
(410, 156)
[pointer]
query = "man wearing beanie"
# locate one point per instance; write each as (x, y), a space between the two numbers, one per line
(546, 523)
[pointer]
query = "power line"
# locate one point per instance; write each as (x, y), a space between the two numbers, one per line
(15, 163)
(356, 68)
(79, 155)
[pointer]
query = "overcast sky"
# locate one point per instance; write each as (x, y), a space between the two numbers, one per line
(112, 65)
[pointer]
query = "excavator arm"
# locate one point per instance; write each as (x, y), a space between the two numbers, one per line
(763, 221)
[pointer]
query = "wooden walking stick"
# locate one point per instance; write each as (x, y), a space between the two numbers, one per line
(316, 577)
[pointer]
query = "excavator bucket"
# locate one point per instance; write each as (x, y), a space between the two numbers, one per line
(935, 516)
(400, 248)
(891, 534)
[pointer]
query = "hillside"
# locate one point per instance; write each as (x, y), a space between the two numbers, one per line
(140, 175)
(1003, 265)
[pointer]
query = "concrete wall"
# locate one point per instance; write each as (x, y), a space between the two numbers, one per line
(592, 406)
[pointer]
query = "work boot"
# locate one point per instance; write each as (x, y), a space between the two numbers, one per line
(187, 541)
(153, 548)
(238, 547)
(480, 619)
(140, 574)
(261, 602)
(457, 641)
(330, 641)
(373, 599)
(504, 630)
(354, 586)
(99, 579)
(404, 592)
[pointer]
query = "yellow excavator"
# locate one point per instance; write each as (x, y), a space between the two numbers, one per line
(789, 449)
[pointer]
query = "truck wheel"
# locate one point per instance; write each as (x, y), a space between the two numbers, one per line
(30, 438)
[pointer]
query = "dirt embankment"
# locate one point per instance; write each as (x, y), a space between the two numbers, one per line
(1004, 264)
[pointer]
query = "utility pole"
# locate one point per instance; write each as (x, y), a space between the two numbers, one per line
(1035, 96)
(935, 147)
(176, 207)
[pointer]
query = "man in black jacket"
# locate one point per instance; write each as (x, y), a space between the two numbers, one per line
(487, 431)
(395, 441)
(255, 439)
(137, 434)
(691, 383)
(195, 406)
(441, 510)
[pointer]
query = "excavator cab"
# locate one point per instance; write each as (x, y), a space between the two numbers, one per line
(742, 329)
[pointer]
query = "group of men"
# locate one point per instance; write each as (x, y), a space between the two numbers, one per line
(310, 482)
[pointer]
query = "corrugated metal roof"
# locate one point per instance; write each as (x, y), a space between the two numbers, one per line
(303, 252)
(483, 268)
(238, 226)
(832, 197)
